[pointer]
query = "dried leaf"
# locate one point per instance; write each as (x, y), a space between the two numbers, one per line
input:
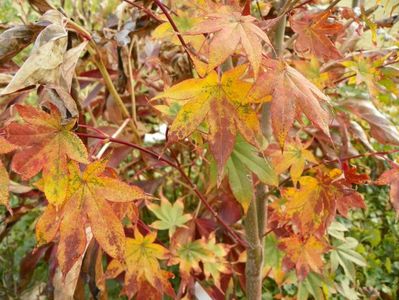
(381, 128)
(43, 66)
(15, 39)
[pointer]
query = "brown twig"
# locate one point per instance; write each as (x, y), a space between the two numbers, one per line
(145, 10)
(160, 157)
(173, 24)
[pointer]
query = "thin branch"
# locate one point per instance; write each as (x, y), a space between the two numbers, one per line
(115, 135)
(145, 10)
(173, 24)
(160, 157)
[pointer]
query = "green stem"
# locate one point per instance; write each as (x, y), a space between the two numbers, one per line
(111, 87)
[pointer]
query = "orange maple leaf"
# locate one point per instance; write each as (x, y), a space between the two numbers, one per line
(224, 102)
(230, 28)
(313, 206)
(305, 253)
(143, 275)
(45, 144)
(86, 203)
(291, 93)
(314, 34)
(5, 147)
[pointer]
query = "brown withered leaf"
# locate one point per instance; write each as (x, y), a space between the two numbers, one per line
(380, 127)
(49, 62)
(43, 64)
(41, 5)
(15, 39)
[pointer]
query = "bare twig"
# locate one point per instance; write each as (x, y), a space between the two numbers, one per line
(145, 10)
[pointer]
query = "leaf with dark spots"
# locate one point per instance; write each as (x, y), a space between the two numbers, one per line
(224, 102)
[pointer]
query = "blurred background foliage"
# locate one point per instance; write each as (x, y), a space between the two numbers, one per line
(366, 243)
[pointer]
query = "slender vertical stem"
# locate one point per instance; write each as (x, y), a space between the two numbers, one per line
(256, 218)
(131, 80)
(279, 37)
(253, 267)
(111, 88)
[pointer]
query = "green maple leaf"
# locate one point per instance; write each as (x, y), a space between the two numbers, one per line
(170, 215)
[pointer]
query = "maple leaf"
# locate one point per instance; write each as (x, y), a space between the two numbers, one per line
(291, 93)
(5, 147)
(314, 204)
(86, 203)
(294, 158)
(305, 253)
(45, 145)
(366, 70)
(312, 70)
(244, 160)
(190, 254)
(391, 178)
(143, 275)
(170, 215)
(224, 103)
(230, 28)
(314, 34)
